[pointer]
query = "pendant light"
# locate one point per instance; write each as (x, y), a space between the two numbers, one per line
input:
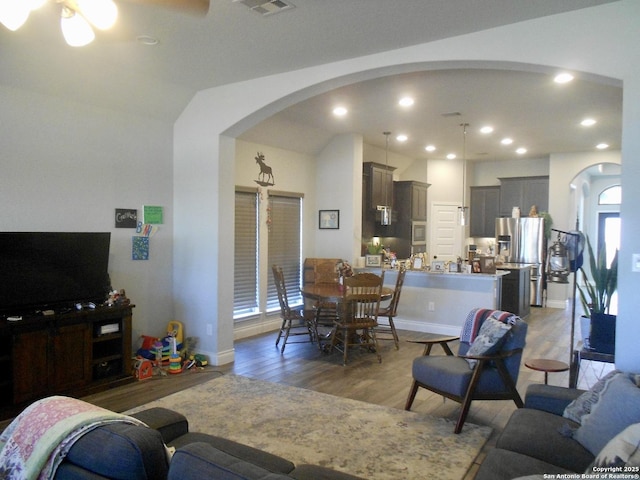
(463, 211)
(385, 210)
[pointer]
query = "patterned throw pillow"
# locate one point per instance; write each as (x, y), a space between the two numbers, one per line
(582, 405)
(623, 450)
(491, 336)
(617, 408)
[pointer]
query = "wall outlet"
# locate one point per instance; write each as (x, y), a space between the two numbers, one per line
(209, 329)
(432, 307)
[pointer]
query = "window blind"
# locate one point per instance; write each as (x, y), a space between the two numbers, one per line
(245, 288)
(285, 233)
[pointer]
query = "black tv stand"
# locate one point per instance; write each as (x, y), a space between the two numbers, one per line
(74, 352)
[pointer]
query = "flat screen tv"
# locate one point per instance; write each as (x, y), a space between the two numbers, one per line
(52, 270)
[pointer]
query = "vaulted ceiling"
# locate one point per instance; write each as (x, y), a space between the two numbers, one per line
(233, 43)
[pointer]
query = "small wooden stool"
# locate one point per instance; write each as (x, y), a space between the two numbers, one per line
(546, 365)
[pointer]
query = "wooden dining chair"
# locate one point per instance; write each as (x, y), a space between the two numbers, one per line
(358, 315)
(386, 329)
(320, 271)
(295, 322)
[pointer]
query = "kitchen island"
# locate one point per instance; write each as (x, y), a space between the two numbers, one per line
(437, 302)
(516, 288)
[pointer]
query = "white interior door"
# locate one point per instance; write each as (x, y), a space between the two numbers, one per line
(446, 234)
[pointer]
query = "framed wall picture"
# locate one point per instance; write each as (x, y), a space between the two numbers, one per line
(329, 219)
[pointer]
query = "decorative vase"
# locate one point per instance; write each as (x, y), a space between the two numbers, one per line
(603, 333)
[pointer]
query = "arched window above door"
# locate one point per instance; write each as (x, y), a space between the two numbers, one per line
(610, 196)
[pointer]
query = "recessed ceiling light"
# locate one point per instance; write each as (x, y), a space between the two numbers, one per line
(147, 40)
(602, 146)
(402, 138)
(486, 129)
(406, 101)
(587, 122)
(340, 111)
(430, 148)
(506, 141)
(563, 78)
(451, 156)
(521, 151)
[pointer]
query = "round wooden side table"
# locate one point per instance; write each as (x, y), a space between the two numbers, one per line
(547, 366)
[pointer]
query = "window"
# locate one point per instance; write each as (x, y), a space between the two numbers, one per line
(285, 229)
(245, 291)
(609, 222)
(610, 196)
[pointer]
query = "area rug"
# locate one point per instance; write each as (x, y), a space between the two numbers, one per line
(304, 426)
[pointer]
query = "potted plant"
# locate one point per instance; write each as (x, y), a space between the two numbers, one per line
(595, 294)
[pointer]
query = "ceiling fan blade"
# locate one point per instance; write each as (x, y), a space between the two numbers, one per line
(194, 7)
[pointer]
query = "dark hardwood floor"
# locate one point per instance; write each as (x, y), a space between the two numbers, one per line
(386, 383)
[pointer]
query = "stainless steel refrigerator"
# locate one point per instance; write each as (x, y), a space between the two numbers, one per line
(521, 240)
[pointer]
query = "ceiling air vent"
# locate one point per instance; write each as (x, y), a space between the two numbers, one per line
(267, 7)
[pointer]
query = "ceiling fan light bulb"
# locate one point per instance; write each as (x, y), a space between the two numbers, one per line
(77, 32)
(13, 13)
(101, 13)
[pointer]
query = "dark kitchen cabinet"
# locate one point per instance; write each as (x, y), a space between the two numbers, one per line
(410, 200)
(379, 182)
(410, 205)
(377, 189)
(523, 192)
(485, 208)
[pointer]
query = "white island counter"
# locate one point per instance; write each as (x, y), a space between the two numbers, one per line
(439, 302)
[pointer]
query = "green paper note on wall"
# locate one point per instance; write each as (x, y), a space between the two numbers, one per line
(152, 214)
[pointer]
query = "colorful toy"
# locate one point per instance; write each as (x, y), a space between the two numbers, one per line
(142, 369)
(175, 360)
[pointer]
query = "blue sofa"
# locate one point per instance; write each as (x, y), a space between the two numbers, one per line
(122, 451)
(569, 431)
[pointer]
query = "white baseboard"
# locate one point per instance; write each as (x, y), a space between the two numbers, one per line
(427, 327)
(557, 303)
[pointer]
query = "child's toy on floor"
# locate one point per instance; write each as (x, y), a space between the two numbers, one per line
(142, 369)
(175, 360)
(152, 347)
(197, 360)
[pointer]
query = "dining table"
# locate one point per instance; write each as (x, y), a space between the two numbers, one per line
(335, 292)
(331, 302)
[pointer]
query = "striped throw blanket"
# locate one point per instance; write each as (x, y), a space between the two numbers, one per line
(478, 315)
(38, 439)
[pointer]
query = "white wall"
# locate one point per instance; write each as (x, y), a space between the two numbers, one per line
(67, 167)
(603, 42)
(489, 172)
(563, 168)
(339, 187)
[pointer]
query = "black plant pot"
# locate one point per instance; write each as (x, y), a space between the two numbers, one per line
(603, 333)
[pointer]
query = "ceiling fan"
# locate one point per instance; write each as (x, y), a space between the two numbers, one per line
(78, 17)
